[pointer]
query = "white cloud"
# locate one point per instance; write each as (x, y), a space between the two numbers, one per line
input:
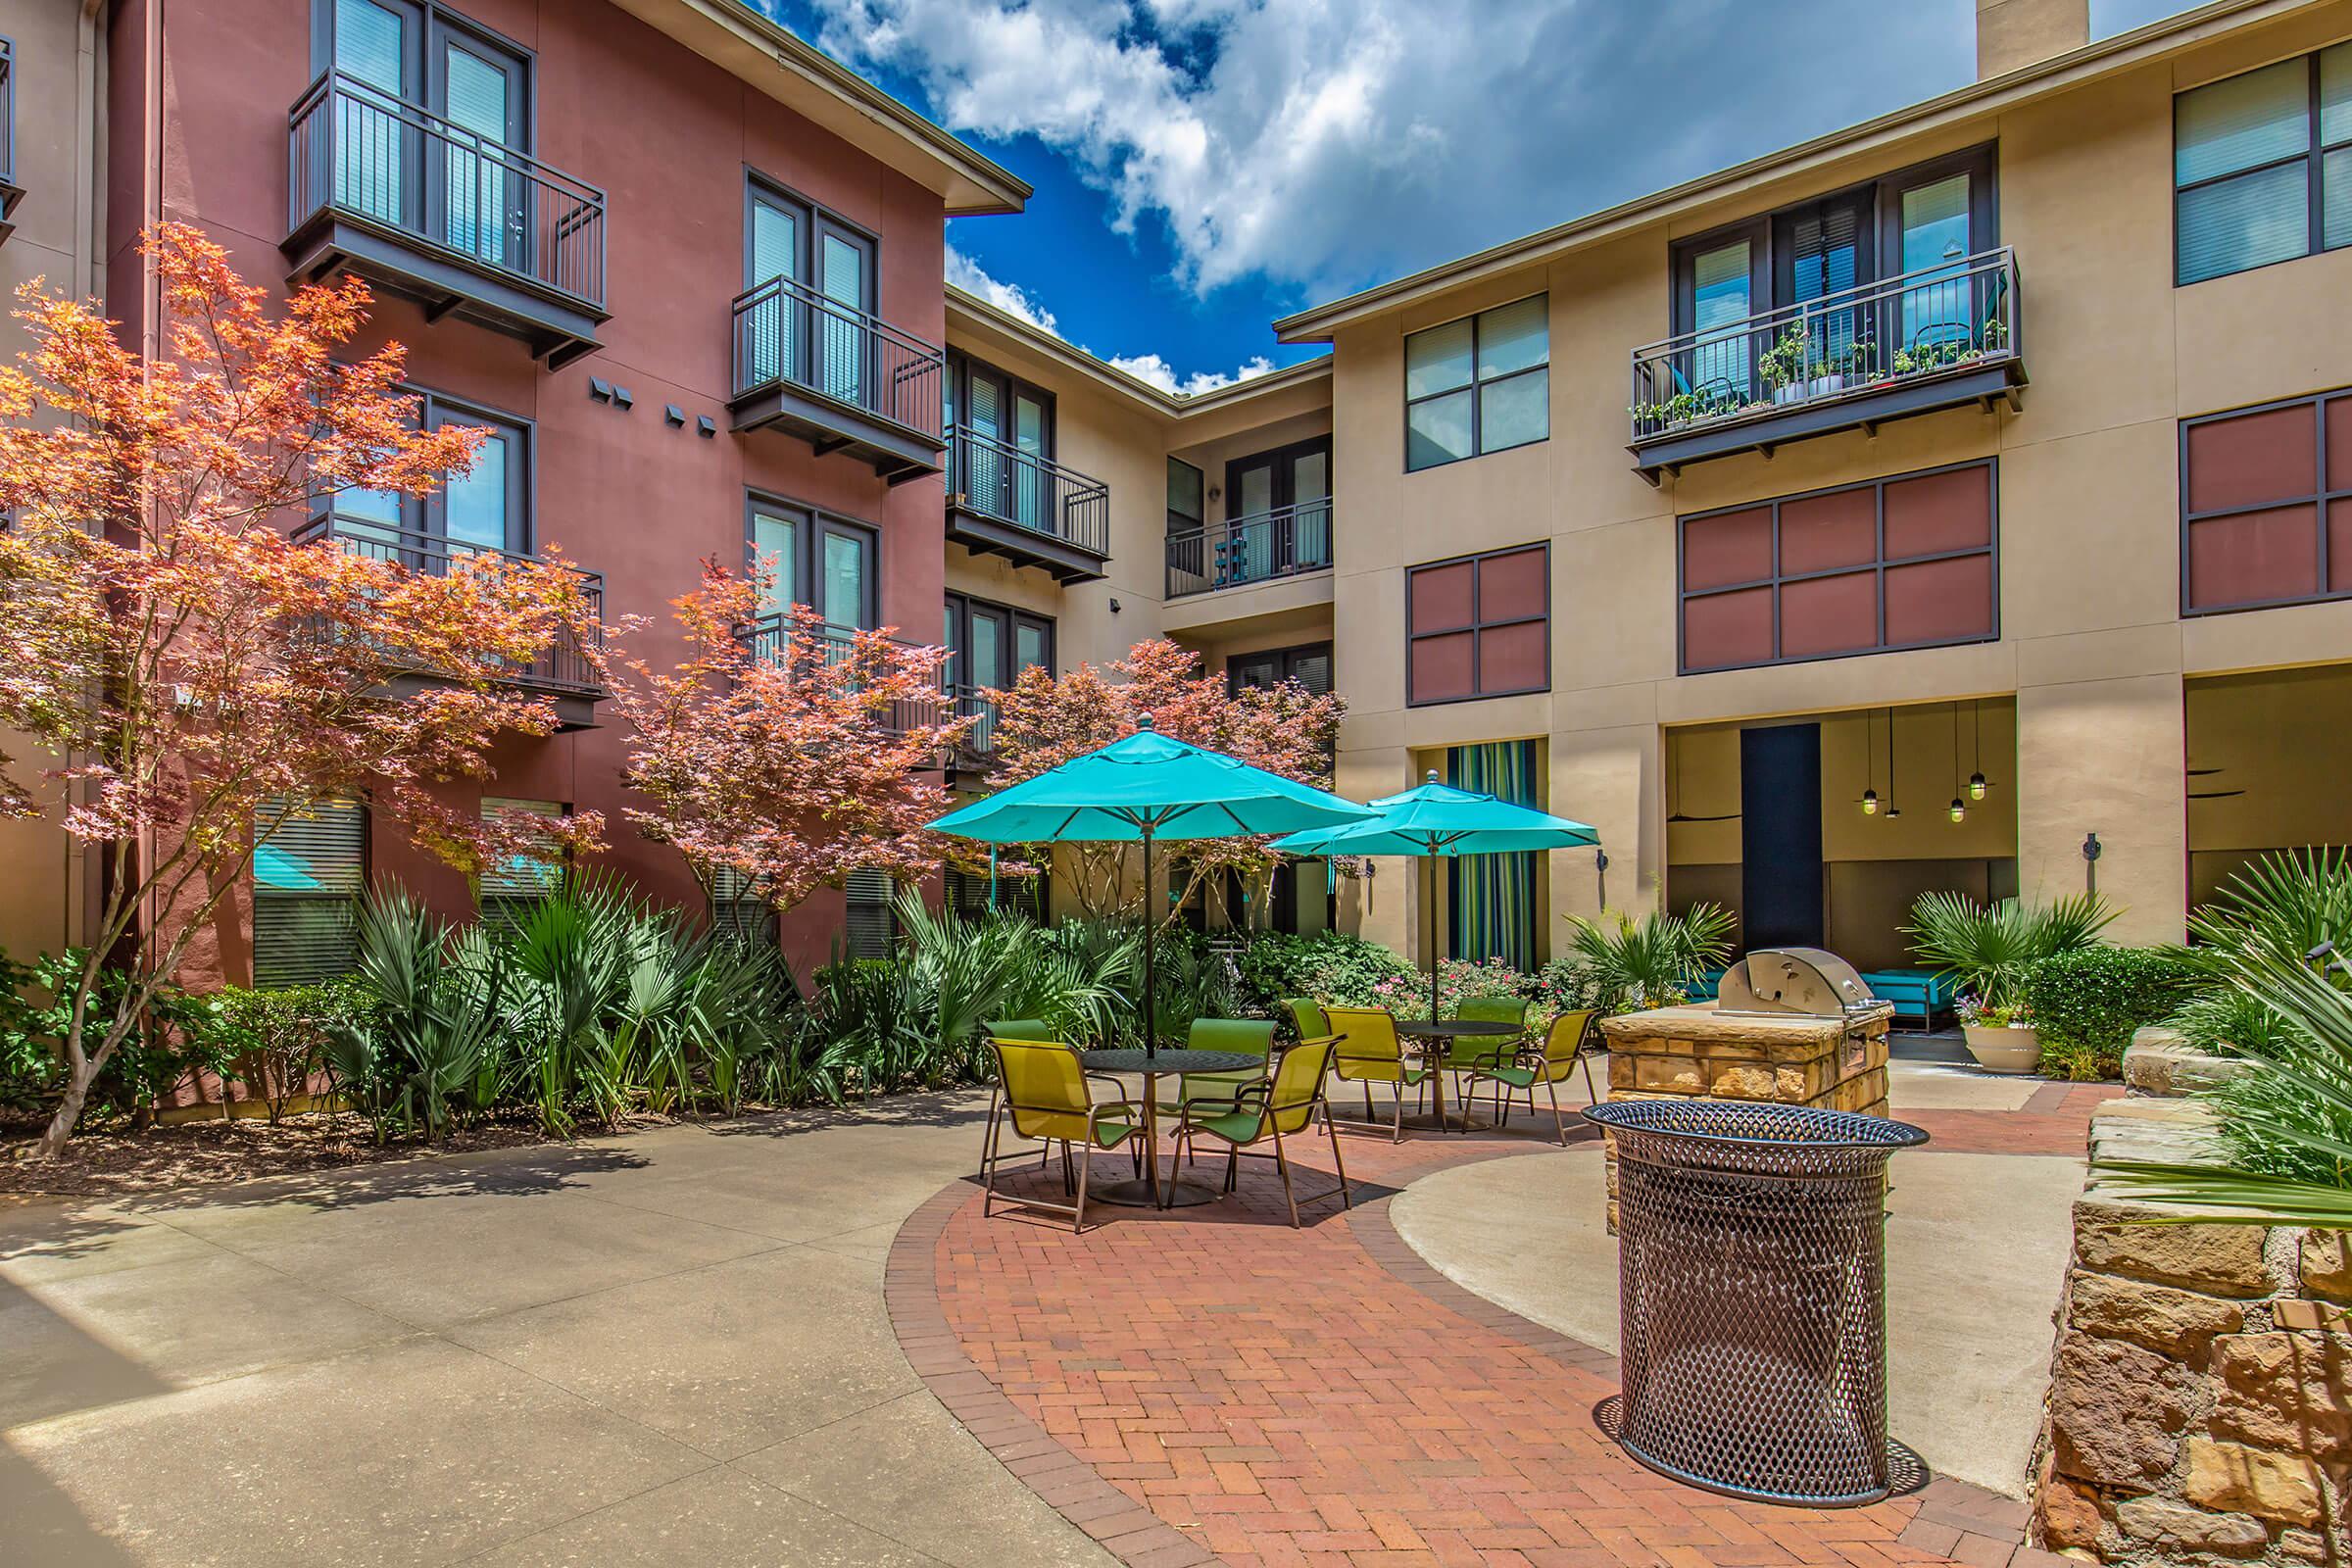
(1161, 374)
(968, 275)
(1326, 143)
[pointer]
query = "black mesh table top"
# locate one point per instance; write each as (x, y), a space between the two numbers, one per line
(1172, 1061)
(1457, 1028)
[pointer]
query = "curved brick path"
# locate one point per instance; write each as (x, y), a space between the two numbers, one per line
(1210, 1386)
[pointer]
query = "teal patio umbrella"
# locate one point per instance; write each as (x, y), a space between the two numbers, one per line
(1142, 789)
(1437, 819)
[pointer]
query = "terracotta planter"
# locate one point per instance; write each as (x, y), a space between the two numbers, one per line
(2009, 1048)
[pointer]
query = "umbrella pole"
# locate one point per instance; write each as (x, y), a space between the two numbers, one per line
(1429, 896)
(1151, 934)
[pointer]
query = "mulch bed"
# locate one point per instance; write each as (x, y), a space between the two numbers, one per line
(177, 1156)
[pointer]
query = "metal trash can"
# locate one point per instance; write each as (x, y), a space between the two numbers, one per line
(1752, 1292)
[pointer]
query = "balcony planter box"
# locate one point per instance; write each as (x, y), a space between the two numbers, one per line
(1788, 392)
(2009, 1048)
(1827, 386)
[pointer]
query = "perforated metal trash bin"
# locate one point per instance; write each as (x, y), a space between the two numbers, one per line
(1753, 1295)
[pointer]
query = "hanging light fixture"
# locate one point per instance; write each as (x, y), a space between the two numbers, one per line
(1975, 750)
(1959, 808)
(1870, 767)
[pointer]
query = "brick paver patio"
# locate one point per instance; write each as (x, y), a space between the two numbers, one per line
(1210, 1386)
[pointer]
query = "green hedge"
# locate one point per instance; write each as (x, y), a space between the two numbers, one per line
(2087, 1005)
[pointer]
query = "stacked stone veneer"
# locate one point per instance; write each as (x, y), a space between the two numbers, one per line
(1702, 1052)
(2201, 1387)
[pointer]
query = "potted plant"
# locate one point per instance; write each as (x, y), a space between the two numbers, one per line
(1987, 949)
(1783, 366)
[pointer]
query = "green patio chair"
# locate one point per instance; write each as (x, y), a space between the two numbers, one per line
(1048, 1095)
(1465, 1054)
(1252, 1036)
(1368, 1052)
(1283, 1105)
(1567, 1045)
(1306, 1018)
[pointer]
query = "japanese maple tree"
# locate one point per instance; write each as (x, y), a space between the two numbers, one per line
(784, 750)
(185, 677)
(1044, 720)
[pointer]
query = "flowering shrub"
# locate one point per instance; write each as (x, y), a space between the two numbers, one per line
(1978, 1013)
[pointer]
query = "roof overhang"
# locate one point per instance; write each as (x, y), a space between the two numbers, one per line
(2061, 73)
(813, 84)
(971, 318)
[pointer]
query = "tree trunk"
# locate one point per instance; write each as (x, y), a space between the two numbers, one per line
(60, 1130)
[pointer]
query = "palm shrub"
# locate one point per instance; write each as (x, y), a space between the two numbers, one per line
(2222, 1020)
(1989, 948)
(2284, 1126)
(418, 1051)
(1634, 965)
(2288, 905)
(2088, 1003)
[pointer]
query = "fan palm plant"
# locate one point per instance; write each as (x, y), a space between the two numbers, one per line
(1652, 961)
(1988, 947)
(2284, 1150)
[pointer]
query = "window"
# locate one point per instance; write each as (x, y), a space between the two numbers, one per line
(2262, 166)
(1309, 665)
(1277, 513)
(8, 128)
(1900, 563)
(968, 894)
(990, 644)
(1478, 627)
(310, 867)
(488, 508)
(737, 911)
(1004, 445)
(871, 925)
(1479, 385)
(503, 892)
(812, 328)
(814, 559)
(1186, 511)
(2266, 497)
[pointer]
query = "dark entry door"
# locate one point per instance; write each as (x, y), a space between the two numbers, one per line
(1779, 836)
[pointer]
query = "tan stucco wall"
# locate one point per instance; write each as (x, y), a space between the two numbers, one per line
(55, 80)
(2092, 648)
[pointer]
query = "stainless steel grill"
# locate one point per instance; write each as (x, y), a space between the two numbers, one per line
(1800, 982)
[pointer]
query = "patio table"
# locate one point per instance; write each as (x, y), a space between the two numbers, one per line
(1434, 1039)
(1153, 1066)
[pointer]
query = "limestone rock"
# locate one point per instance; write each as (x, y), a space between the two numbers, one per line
(2223, 1259)
(2327, 1264)
(2304, 1546)
(2179, 1323)
(2174, 1526)
(2070, 1515)
(2231, 1478)
(2315, 1317)
(2292, 1392)
(2116, 1411)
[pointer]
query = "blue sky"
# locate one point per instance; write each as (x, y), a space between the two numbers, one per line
(1204, 166)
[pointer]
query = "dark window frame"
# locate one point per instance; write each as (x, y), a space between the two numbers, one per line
(1280, 460)
(290, 897)
(1285, 662)
(960, 367)
(2318, 499)
(1476, 626)
(428, 515)
(436, 21)
(961, 605)
(815, 217)
(1771, 273)
(8, 110)
(2314, 154)
(1477, 385)
(1180, 523)
(807, 556)
(1991, 548)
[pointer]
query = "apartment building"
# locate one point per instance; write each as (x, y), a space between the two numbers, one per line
(1947, 502)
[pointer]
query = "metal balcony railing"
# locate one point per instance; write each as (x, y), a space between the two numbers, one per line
(8, 114)
(563, 667)
(362, 153)
(786, 331)
(1841, 348)
(1264, 545)
(1001, 481)
(972, 703)
(769, 638)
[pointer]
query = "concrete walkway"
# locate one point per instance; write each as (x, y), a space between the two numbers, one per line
(667, 1348)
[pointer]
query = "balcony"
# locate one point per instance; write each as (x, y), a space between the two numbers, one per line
(1287, 542)
(428, 208)
(768, 637)
(1944, 337)
(562, 671)
(837, 377)
(1003, 501)
(11, 192)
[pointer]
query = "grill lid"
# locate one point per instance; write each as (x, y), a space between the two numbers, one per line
(1798, 982)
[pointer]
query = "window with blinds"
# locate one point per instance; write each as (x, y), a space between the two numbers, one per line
(1309, 663)
(739, 911)
(503, 892)
(2262, 166)
(872, 926)
(310, 866)
(968, 894)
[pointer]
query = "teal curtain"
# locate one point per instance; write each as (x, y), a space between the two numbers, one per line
(1491, 899)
